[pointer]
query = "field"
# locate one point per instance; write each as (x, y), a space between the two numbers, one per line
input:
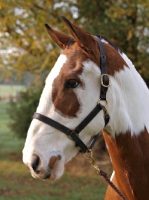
(10, 89)
(17, 183)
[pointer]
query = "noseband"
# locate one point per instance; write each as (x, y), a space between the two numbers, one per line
(74, 134)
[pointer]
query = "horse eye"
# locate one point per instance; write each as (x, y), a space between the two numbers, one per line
(72, 83)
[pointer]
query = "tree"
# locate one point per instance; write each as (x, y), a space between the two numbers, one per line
(21, 112)
(123, 22)
(25, 45)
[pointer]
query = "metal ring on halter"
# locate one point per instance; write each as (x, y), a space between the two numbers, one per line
(98, 102)
(88, 157)
(102, 76)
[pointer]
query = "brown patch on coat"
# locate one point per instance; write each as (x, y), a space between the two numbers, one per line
(115, 62)
(130, 159)
(65, 99)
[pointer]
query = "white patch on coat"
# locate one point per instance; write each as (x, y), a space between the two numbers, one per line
(112, 176)
(39, 134)
(128, 101)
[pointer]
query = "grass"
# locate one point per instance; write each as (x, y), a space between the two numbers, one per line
(17, 183)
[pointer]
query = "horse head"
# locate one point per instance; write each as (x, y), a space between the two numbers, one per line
(71, 91)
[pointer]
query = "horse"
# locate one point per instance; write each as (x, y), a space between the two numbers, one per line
(91, 72)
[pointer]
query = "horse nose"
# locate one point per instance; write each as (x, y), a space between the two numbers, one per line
(35, 163)
(42, 168)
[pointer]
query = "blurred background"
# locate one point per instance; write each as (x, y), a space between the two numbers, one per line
(27, 55)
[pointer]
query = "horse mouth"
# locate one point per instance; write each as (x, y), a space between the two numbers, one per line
(47, 176)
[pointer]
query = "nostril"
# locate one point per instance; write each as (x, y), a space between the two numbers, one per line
(35, 163)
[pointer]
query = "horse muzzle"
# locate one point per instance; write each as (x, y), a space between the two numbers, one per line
(44, 169)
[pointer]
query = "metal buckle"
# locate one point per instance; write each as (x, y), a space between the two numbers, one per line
(73, 131)
(102, 76)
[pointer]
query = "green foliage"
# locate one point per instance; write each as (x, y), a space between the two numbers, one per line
(25, 44)
(21, 112)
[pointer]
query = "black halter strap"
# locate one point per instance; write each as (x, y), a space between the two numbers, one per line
(104, 75)
(74, 134)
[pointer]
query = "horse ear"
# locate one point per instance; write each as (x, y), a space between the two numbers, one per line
(80, 36)
(60, 38)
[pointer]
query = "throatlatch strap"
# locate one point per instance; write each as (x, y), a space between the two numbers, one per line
(93, 141)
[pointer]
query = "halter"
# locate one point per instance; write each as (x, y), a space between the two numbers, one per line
(74, 134)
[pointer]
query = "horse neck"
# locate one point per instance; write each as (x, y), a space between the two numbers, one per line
(128, 102)
(128, 139)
